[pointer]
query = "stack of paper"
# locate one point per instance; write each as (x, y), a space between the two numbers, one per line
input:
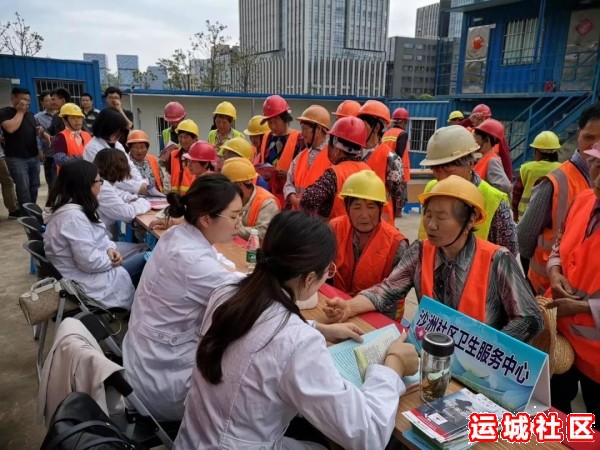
(443, 423)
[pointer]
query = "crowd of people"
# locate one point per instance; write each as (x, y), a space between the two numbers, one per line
(324, 200)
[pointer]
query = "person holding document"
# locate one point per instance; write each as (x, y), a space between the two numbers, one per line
(257, 349)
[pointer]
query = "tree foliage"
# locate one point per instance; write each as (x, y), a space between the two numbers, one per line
(178, 69)
(210, 47)
(17, 38)
(143, 79)
(244, 65)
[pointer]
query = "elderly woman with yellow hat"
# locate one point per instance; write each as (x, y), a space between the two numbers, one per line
(450, 151)
(367, 247)
(181, 178)
(69, 143)
(240, 147)
(453, 266)
(223, 116)
(256, 131)
(259, 205)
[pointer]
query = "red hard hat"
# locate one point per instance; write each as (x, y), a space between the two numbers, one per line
(492, 127)
(273, 106)
(201, 151)
(350, 129)
(482, 109)
(401, 114)
(174, 112)
(347, 108)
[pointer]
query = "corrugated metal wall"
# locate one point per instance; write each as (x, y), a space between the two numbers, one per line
(27, 70)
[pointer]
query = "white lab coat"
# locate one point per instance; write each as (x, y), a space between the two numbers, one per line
(278, 370)
(116, 204)
(133, 184)
(159, 348)
(78, 249)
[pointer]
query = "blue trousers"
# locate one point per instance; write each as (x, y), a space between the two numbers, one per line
(25, 173)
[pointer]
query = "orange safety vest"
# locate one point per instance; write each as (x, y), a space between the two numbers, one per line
(378, 163)
(375, 262)
(73, 149)
(284, 162)
(342, 171)
(581, 265)
(567, 181)
(260, 197)
(390, 137)
(153, 162)
(304, 175)
(481, 167)
(180, 180)
(473, 299)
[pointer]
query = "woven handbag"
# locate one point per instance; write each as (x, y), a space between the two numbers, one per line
(41, 302)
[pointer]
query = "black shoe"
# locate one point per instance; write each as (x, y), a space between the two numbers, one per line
(14, 214)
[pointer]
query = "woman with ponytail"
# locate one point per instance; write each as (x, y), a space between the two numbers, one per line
(160, 345)
(259, 363)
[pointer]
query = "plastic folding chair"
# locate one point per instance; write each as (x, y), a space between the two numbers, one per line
(72, 292)
(34, 210)
(32, 230)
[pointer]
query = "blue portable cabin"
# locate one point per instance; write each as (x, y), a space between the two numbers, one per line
(39, 74)
(536, 69)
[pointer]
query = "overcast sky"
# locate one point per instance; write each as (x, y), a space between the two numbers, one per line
(149, 28)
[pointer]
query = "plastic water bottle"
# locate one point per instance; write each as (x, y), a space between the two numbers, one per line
(251, 247)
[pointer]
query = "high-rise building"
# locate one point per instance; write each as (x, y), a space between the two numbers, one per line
(126, 66)
(157, 77)
(427, 25)
(102, 63)
(323, 47)
(411, 67)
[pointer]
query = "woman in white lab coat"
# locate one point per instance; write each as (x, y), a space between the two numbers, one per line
(259, 363)
(116, 204)
(76, 242)
(107, 130)
(160, 345)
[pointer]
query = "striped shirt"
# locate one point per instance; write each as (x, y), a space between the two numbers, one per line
(510, 305)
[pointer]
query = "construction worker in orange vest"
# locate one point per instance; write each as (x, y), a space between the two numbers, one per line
(480, 113)
(309, 165)
(181, 177)
(384, 162)
(256, 131)
(259, 205)
(201, 159)
(538, 228)
(346, 139)
(138, 144)
(397, 139)
(347, 108)
(573, 268)
(280, 146)
(69, 143)
(367, 247)
(488, 134)
(240, 147)
(453, 266)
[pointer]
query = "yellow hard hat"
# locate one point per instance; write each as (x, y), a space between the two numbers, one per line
(364, 184)
(70, 109)
(189, 126)
(457, 187)
(455, 115)
(238, 145)
(316, 114)
(547, 142)
(226, 109)
(449, 144)
(238, 170)
(256, 127)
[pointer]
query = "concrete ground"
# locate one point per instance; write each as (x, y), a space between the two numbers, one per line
(19, 429)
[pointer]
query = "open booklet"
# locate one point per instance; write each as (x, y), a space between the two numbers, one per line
(352, 358)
